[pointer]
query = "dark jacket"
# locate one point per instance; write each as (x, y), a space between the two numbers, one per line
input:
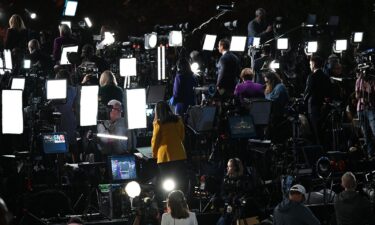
(59, 43)
(293, 213)
(228, 71)
(109, 92)
(183, 92)
(16, 39)
(353, 209)
(318, 87)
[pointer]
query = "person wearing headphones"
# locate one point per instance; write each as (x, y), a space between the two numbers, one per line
(178, 211)
(292, 211)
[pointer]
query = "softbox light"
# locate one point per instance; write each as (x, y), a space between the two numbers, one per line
(238, 43)
(89, 105)
(282, 44)
(312, 47)
(12, 112)
(175, 38)
(128, 67)
(357, 37)
(64, 54)
(136, 108)
(18, 83)
(70, 8)
(209, 42)
(56, 89)
(26, 64)
(8, 59)
(340, 45)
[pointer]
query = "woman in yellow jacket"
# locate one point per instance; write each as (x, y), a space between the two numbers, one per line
(167, 142)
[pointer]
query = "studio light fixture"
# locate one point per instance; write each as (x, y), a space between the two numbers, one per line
(357, 37)
(311, 47)
(12, 112)
(238, 43)
(282, 43)
(27, 64)
(56, 89)
(88, 22)
(18, 83)
(209, 42)
(136, 108)
(111, 136)
(68, 23)
(8, 59)
(89, 105)
(175, 38)
(340, 45)
(70, 8)
(151, 40)
(161, 62)
(64, 54)
(128, 67)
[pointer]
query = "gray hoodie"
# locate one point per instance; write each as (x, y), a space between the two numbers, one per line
(293, 213)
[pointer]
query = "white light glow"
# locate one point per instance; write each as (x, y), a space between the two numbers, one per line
(64, 54)
(26, 63)
(89, 105)
(238, 43)
(8, 59)
(256, 42)
(56, 89)
(110, 136)
(312, 46)
(33, 16)
(70, 8)
(195, 67)
(108, 38)
(136, 108)
(358, 37)
(209, 42)
(12, 112)
(88, 22)
(282, 43)
(175, 38)
(169, 185)
(151, 40)
(133, 189)
(1, 63)
(18, 83)
(68, 23)
(161, 63)
(341, 45)
(274, 65)
(128, 67)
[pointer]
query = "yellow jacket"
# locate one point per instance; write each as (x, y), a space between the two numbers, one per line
(167, 141)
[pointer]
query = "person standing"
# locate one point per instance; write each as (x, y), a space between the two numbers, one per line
(64, 39)
(259, 26)
(228, 69)
(108, 88)
(16, 36)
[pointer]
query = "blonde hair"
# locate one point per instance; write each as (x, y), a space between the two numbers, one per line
(107, 78)
(16, 22)
(247, 74)
(238, 167)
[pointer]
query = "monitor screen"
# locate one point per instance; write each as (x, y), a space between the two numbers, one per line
(123, 167)
(54, 143)
(64, 54)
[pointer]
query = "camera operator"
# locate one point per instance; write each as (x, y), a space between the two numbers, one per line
(318, 87)
(178, 211)
(88, 55)
(351, 208)
(365, 94)
(260, 62)
(259, 26)
(292, 211)
(39, 60)
(115, 126)
(235, 187)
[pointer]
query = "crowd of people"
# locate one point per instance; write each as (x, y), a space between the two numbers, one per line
(167, 142)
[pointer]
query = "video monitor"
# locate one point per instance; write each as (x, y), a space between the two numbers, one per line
(209, 42)
(54, 143)
(70, 8)
(155, 94)
(238, 43)
(18, 83)
(123, 168)
(56, 89)
(128, 67)
(242, 127)
(64, 54)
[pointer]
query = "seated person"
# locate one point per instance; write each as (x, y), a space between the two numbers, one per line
(248, 89)
(350, 206)
(292, 211)
(178, 212)
(276, 92)
(115, 126)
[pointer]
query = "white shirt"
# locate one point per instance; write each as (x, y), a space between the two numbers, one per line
(168, 220)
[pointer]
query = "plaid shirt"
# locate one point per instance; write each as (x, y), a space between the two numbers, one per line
(366, 91)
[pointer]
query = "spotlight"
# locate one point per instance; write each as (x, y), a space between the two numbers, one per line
(238, 43)
(88, 22)
(33, 16)
(26, 64)
(89, 105)
(230, 25)
(357, 37)
(128, 67)
(274, 65)
(12, 112)
(68, 23)
(195, 67)
(70, 8)
(340, 45)
(311, 47)
(133, 189)
(209, 42)
(175, 38)
(151, 40)
(282, 43)
(136, 108)
(169, 185)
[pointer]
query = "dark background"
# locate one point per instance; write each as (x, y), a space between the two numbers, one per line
(136, 17)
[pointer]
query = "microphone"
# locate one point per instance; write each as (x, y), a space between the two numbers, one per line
(225, 7)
